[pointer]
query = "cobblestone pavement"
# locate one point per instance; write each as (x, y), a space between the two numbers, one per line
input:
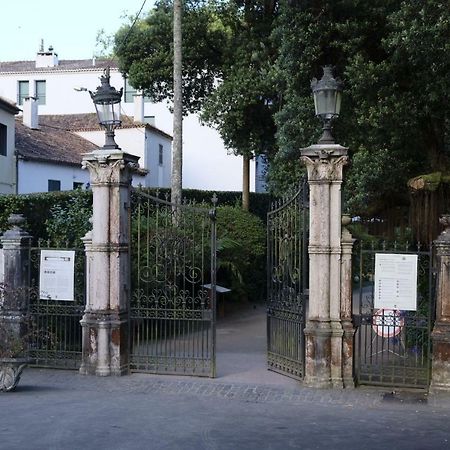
(245, 408)
(45, 379)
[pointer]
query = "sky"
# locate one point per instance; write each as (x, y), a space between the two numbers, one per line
(69, 26)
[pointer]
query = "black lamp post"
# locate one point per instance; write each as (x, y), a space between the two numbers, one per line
(327, 101)
(107, 104)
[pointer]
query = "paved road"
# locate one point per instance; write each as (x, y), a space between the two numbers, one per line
(246, 407)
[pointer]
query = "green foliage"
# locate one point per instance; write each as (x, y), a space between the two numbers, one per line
(259, 202)
(393, 57)
(69, 221)
(37, 210)
(241, 252)
(146, 56)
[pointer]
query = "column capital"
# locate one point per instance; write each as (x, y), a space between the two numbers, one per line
(324, 162)
(110, 166)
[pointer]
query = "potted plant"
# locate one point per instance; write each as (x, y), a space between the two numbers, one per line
(15, 332)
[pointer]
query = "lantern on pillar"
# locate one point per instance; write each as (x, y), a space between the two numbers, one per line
(327, 101)
(107, 104)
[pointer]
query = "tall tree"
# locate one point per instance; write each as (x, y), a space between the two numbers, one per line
(242, 106)
(394, 59)
(177, 148)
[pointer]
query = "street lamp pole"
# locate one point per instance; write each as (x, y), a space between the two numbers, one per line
(327, 335)
(107, 105)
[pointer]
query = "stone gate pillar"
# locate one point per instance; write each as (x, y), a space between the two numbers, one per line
(15, 276)
(323, 331)
(105, 321)
(440, 375)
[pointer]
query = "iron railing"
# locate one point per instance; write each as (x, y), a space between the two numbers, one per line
(173, 260)
(56, 342)
(393, 347)
(287, 282)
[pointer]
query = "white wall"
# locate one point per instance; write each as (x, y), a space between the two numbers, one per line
(34, 176)
(144, 143)
(8, 162)
(206, 162)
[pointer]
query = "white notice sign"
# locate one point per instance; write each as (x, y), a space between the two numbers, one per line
(395, 281)
(57, 274)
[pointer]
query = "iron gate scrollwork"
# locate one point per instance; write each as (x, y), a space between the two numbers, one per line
(173, 262)
(287, 282)
(393, 347)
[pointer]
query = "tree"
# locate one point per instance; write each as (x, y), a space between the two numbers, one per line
(394, 59)
(242, 106)
(177, 155)
(226, 67)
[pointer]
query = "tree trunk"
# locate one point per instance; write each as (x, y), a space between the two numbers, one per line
(177, 147)
(246, 183)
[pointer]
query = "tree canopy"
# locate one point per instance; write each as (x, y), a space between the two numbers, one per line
(248, 66)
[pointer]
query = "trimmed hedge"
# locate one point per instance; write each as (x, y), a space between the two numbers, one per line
(38, 208)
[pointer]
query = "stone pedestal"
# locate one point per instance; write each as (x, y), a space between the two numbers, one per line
(324, 331)
(15, 277)
(440, 377)
(105, 321)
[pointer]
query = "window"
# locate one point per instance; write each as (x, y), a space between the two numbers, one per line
(161, 155)
(77, 185)
(3, 139)
(40, 92)
(129, 92)
(23, 91)
(54, 185)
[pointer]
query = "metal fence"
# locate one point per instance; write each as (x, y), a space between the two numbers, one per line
(287, 282)
(173, 257)
(56, 342)
(393, 347)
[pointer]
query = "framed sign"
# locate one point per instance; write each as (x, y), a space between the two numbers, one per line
(395, 281)
(56, 277)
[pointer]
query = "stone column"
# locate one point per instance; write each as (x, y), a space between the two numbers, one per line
(15, 276)
(440, 375)
(347, 242)
(105, 321)
(323, 331)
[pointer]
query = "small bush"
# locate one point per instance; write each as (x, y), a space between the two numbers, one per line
(241, 242)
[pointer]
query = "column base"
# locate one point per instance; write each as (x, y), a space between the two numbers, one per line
(105, 344)
(348, 340)
(318, 354)
(440, 371)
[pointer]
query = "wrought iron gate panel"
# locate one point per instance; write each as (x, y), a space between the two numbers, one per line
(173, 287)
(57, 340)
(393, 347)
(287, 282)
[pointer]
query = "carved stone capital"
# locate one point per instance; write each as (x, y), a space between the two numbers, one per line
(110, 167)
(328, 169)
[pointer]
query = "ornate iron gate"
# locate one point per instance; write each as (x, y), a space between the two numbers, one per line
(287, 282)
(57, 340)
(393, 347)
(173, 287)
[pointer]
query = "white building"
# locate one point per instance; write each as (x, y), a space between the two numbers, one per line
(7, 136)
(56, 85)
(50, 148)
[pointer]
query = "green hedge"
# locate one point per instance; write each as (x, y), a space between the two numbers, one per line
(38, 208)
(259, 202)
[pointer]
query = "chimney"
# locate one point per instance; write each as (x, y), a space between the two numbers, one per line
(138, 100)
(30, 113)
(46, 58)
